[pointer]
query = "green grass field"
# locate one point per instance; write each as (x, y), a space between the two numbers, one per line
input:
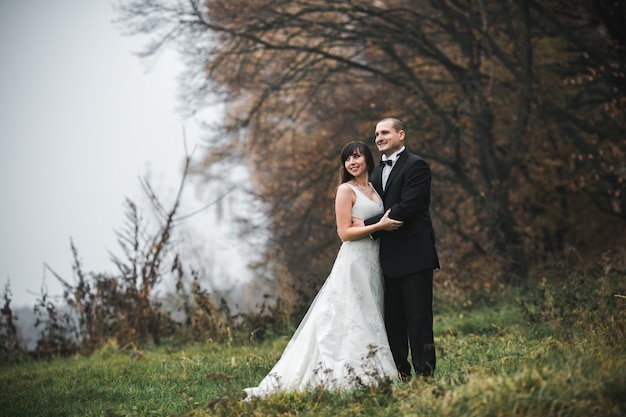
(492, 362)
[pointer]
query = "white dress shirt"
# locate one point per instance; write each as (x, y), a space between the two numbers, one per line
(387, 168)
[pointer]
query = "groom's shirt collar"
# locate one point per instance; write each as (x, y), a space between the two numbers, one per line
(394, 156)
(387, 168)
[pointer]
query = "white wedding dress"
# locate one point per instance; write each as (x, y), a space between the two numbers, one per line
(341, 342)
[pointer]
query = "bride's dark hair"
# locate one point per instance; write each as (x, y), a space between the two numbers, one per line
(350, 149)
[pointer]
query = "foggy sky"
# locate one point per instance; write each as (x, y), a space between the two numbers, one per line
(81, 120)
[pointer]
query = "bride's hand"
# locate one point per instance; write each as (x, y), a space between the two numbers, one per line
(389, 224)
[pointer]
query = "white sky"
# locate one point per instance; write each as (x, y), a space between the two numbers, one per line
(80, 121)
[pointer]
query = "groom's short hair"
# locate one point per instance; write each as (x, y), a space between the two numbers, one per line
(396, 123)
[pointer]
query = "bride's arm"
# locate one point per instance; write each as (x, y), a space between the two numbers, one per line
(344, 201)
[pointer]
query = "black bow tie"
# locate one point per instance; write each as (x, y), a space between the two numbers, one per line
(388, 162)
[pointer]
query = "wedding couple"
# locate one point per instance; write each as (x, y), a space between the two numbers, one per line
(377, 300)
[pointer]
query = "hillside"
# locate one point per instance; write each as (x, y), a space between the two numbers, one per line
(495, 358)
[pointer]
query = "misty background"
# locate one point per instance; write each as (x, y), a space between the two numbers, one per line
(82, 119)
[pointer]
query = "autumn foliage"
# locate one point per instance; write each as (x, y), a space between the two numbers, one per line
(517, 106)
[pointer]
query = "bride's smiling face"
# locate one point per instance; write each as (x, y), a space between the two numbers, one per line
(356, 164)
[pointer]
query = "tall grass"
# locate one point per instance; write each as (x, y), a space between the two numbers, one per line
(495, 359)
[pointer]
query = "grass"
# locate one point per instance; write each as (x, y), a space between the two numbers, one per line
(491, 362)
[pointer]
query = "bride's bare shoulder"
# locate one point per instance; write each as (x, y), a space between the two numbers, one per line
(344, 188)
(345, 192)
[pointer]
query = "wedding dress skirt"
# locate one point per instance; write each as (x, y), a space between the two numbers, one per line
(341, 342)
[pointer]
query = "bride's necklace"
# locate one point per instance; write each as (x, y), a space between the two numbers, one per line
(367, 191)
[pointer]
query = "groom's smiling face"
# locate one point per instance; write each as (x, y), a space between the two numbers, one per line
(388, 139)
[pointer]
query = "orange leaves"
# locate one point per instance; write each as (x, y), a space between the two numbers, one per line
(495, 96)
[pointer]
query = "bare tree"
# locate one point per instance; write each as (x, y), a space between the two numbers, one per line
(518, 105)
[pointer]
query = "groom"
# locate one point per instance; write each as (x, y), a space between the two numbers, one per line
(408, 255)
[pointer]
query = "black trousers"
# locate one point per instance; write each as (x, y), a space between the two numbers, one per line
(409, 322)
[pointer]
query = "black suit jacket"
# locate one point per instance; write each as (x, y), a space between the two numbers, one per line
(412, 247)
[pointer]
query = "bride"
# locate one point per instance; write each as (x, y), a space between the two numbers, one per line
(341, 342)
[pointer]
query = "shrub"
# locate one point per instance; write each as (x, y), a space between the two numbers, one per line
(586, 298)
